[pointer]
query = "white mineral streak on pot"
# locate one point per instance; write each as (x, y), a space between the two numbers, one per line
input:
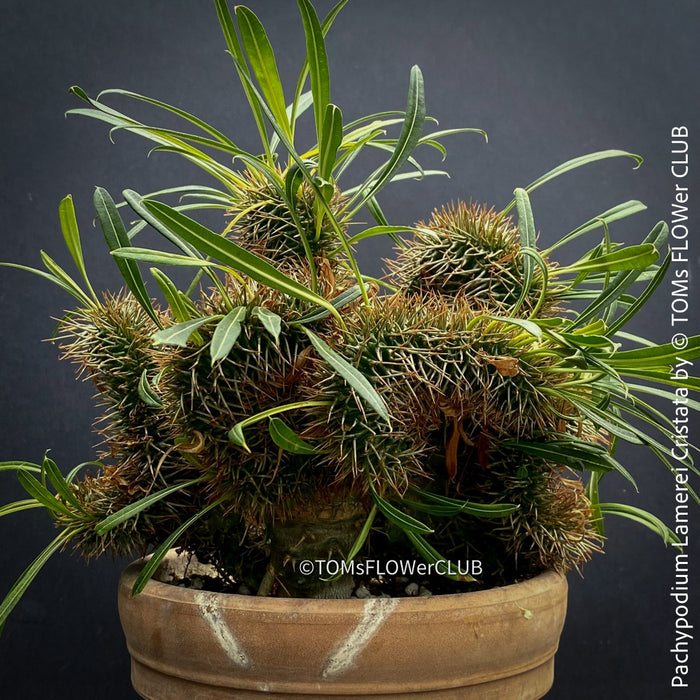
(212, 615)
(376, 611)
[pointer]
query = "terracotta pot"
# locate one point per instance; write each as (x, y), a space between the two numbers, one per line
(497, 644)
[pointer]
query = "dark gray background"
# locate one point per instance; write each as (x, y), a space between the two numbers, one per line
(548, 81)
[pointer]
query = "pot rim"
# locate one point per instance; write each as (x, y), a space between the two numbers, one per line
(496, 596)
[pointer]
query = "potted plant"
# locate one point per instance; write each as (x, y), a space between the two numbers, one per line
(279, 407)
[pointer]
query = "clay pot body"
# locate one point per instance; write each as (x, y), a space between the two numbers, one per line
(497, 644)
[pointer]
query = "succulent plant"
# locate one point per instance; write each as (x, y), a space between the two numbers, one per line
(282, 405)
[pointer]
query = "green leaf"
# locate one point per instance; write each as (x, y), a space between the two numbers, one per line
(146, 392)
(605, 219)
(344, 298)
(52, 278)
(454, 506)
(297, 105)
(262, 61)
(633, 257)
(528, 241)
(363, 535)
(409, 137)
(20, 466)
(227, 252)
(592, 492)
(159, 554)
(331, 139)
(19, 506)
(180, 333)
(602, 419)
(116, 237)
(159, 257)
(272, 323)
(38, 491)
(661, 376)
(71, 235)
(379, 231)
(432, 556)
(133, 509)
(65, 279)
(229, 31)
(218, 135)
(283, 436)
(406, 522)
(530, 326)
(622, 281)
(170, 292)
(318, 64)
(642, 517)
(236, 436)
(350, 374)
(571, 165)
(641, 301)
(656, 356)
(573, 453)
(135, 201)
(29, 574)
(226, 334)
(58, 481)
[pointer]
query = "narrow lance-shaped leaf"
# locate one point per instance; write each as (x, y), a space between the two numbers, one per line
(133, 509)
(52, 278)
(180, 333)
(158, 257)
(432, 556)
(643, 518)
(262, 60)
(350, 374)
(622, 281)
(298, 96)
(218, 135)
(116, 237)
(71, 235)
(641, 301)
(227, 252)
(528, 241)
(409, 137)
(65, 279)
(147, 393)
(403, 520)
(283, 436)
(344, 298)
(482, 510)
(38, 491)
(575, 163)
(229, 30)
(226, 334)
(318, 64)
(605, 219)
(331, 140)
(657, 356)
(634, 257)
(170, 292)
(29, 574)
(236, 436)
(271, 322)
(58, 481)
(159, 554)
